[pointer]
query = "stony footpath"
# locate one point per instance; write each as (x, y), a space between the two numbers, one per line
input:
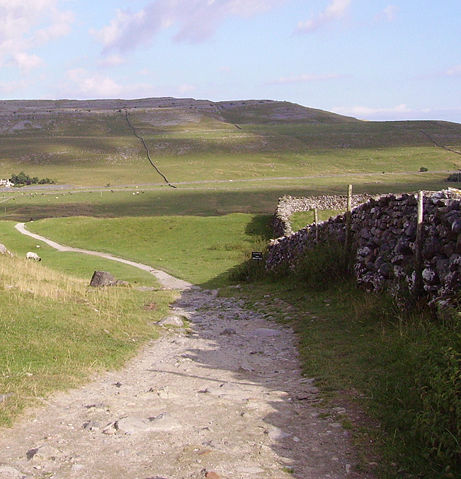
(219, 395)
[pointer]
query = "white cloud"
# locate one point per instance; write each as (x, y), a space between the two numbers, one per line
(389, 14)
(26, 61)
(192, 20)
(454, 71)
(334, 10)
(365, 111)
(83, 84)
(304, 78)
(24, 26)
(400, 112)
(93, 85)
(111, 61)
(7, 88)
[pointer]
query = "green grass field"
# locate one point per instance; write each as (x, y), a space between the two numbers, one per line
(203, 250)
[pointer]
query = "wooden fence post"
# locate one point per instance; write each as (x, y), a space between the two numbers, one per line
(347, 244)
(316, 221)
(419, 284)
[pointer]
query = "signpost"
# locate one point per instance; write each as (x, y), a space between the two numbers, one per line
(257, 255)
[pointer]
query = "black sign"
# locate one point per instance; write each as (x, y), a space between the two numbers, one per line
(257, 255)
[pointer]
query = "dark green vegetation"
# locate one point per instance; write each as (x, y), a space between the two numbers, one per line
(402, 367)
(22, 179)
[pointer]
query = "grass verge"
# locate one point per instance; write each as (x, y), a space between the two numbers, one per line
(56, 331)
(402, 368)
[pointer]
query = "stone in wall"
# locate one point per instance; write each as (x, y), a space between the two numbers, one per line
(288, 205)
(383, 232)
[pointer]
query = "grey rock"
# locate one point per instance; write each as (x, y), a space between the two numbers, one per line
(102, 278)
(228, 332)
(265, 333)
(173, 320)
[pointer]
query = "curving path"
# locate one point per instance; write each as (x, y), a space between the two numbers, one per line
(165, 279)
(219, 396)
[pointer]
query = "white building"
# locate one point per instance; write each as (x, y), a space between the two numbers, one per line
(6, 184)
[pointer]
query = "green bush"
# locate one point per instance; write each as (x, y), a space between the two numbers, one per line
(454, 177)
(23, 179)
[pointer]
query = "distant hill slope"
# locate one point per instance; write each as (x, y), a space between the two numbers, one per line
(241, 111)
(93, 142)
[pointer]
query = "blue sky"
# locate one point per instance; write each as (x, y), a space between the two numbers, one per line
(372, 59)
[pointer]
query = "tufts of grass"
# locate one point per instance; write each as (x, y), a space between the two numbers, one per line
(55, 331)
(401, 367)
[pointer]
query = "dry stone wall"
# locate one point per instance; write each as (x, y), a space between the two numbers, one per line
(288, 205)
(383, 233)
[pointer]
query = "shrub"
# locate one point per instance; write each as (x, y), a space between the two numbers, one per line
(455, 177)
(22, 178)
(324, 264)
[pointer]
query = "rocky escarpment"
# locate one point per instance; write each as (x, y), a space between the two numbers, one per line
(288, 205)
(383, 235)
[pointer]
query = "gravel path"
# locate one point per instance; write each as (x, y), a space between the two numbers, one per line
(219, 395)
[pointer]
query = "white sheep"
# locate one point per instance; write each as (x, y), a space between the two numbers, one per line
(34, 256)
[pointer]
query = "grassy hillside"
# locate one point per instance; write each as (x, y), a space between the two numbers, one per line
(56, 331)
(91, 143)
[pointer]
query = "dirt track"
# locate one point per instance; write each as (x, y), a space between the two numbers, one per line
(219, 395)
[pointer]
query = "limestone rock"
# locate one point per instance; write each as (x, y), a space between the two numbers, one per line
(102, 278)
(172, 320)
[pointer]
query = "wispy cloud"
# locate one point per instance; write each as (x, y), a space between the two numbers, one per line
(388, 14)
(400, 112)
(93, 85)
(334, 10)
(24, 26)
(111, 61)
(192, 21)
(304, 78)
(7, 88)
(454, 71)
(365, 111)
(84, 84)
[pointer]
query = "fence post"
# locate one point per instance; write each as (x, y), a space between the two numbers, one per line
(348, 220)
(316, 221)
(419, 284)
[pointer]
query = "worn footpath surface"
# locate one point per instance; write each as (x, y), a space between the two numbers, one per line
(219, 395)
